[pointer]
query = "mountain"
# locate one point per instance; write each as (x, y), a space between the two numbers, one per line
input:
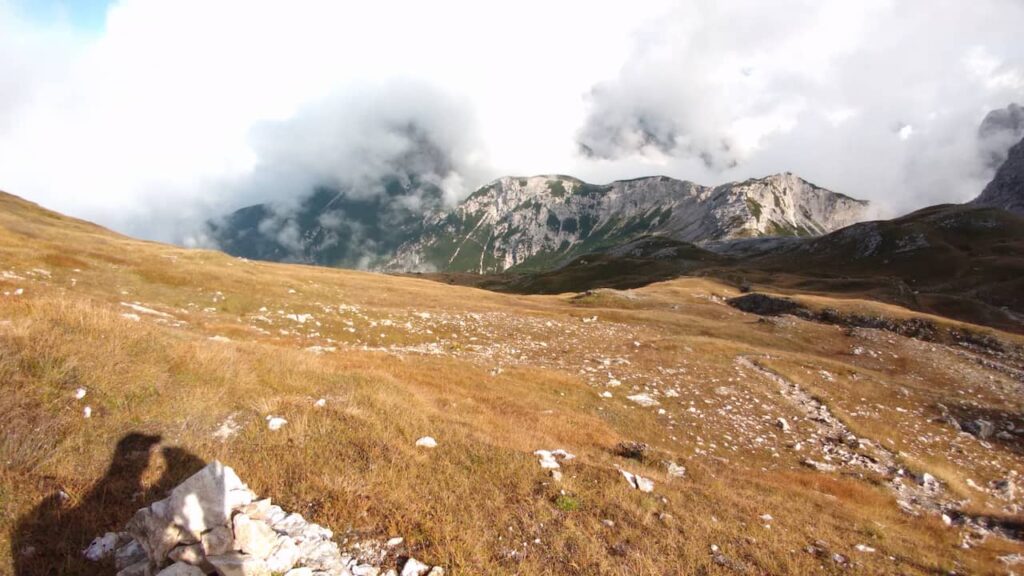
(998, 132)
(964, 262)
(1006, 190)
(330, 227)
(542, 222)
(532, 223)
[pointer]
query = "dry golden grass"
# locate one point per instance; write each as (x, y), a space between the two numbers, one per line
(479, 503)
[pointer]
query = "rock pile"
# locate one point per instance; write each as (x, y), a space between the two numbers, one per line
(212, 523)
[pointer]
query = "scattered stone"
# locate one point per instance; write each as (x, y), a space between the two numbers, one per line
(549, 459)
(863, 548)
(395, 541)
(782, 424)
(676, 471)
(819, 466)
(80, 393)
(320, 403)
(639, 482)
(643, 399)
(87, 412)
(414, 567)
(981, 429)
(275, 422)
(426, 442)
(227, 429)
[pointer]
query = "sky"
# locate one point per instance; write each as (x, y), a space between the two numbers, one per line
(151, 116)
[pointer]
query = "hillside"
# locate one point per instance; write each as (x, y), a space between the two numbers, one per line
(542, 222)
(772, 444)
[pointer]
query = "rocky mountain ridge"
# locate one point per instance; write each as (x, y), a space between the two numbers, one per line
(1006, 190)
(543, 221)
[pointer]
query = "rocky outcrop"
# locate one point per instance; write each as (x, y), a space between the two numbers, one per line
(212, 523)
(1006, 190)
(540, 222)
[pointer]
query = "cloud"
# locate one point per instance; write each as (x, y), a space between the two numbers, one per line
(178, 111)
(346, 176)
(876, 99)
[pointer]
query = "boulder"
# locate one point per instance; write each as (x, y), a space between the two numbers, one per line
(181, 569)
(189, 554)
(254, 537)
(157, 535)
(238, 564)
(130, 553)
(220, 540)
(205, 499)
(414, 567)
(284, 556)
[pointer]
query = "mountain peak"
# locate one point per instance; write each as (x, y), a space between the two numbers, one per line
(1006, 190)
(541, 221)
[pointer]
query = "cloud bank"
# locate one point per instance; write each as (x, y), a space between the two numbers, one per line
(180, 111)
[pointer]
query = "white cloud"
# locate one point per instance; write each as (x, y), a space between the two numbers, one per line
(169, 115)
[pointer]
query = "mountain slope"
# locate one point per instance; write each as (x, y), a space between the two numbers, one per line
(541, 222)
(1006, 190)
(847, 443)
(965, 262)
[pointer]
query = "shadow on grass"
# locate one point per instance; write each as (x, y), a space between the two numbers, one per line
(49, 540)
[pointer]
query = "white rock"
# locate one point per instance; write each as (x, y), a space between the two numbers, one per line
(181, 569)
(129, 554)
(863, 548)
(275, 422)
(395, 541)
(320, 403)
(782, 424)
(414, 567)
(426, 442)
(236, 564)
(676, 471)
(217, 541)
(284, 556)
(606, 394)
(101, 547)
(643, 399)
(87, 412)
(80, 393)
(302, 571)
(639, 482)
(254, 537)
(156, 533)
(204, 500)
(188, 554)
(766, 518)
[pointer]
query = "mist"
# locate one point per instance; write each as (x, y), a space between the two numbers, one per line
(175, 114)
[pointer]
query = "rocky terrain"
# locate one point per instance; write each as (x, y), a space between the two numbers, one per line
(212, 523)
(664, 429)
